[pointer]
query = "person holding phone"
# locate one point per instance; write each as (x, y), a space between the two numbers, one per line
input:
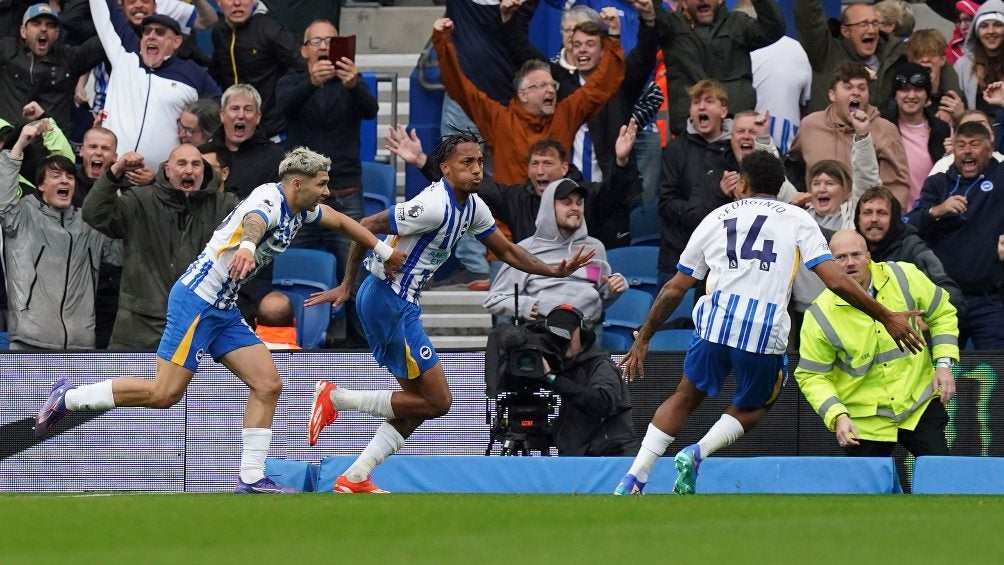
(324, 107)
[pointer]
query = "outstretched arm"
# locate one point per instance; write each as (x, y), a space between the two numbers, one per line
(523, 260)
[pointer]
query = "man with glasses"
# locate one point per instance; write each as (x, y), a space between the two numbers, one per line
(253, 48)
(149, 87)
(198, 121)
(860, 41)
(324, 108)
(535, 113)
(866, 389)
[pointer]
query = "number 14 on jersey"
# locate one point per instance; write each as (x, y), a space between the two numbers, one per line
(765, 254)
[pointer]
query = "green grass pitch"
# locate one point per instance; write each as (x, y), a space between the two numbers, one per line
(511, 529)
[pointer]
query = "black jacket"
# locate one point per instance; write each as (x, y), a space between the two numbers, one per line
(595, 417)
(967, 244)
(255, 162)
(692, 168)
(263, 51)
(326, 118)
(49, 80)
(163, 231)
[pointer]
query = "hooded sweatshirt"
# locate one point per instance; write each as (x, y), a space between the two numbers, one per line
(583, 289)
(964, 65)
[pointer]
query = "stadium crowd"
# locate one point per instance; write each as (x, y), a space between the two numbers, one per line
(125, 146)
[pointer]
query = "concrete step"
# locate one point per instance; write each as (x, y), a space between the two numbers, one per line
(459, 341)
(457, 324)
(448, 298)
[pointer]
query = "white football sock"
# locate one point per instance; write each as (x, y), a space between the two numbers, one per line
(97, 397)
(256, 442)
(373, 402)
(652, 447)
(724, 433)
(385, 443)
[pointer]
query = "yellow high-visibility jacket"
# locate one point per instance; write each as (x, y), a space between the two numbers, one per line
(849, 362)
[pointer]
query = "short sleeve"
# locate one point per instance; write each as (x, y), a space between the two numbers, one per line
(484, 223)
(313, 216)
(423, 213)
(811, 243)
(266, 201)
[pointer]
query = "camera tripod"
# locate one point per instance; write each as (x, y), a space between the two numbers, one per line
(521, 424)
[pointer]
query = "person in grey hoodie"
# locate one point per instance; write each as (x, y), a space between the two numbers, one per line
(52, 256)
(561, 230)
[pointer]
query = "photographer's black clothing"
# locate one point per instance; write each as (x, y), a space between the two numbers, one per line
(595, 414)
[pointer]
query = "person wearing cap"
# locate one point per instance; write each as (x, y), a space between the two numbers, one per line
(913, 114)
(149, 87)
(965, 11)
(980, 64)
(561, 227)
(595, 418)
(37, 67)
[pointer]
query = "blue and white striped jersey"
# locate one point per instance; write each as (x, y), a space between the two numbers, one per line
(749, 251)
(427, 228)
(209, 276)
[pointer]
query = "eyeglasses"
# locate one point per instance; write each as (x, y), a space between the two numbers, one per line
(917, 79)
(542, 86)
(186, 129)
(159, 31)
(318, 41)
(864, 24)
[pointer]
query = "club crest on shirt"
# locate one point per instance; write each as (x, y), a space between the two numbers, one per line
(986, 186)
(415, 211)
(425, 352)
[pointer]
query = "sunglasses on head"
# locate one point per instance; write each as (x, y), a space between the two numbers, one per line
(919, 80)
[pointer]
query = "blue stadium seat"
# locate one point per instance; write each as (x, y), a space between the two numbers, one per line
(640, 265)
(623, 317)
(368, 128)
(645, 225)
(298, 273)
(670, 340)
(425, 99)
(379, 187)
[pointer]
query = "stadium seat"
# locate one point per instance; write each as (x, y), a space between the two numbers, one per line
(379, 187)
(645, 225)
(670, 340)
(640, 265)
(623, 317)
(300, 272)
(368, 138)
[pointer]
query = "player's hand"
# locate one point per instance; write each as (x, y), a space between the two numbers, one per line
(906, 337)
(569, 266)
(955, 204)
(633, 362)
(322, 71)
(443, 24)
(625, 142)
(861, 122)
(141, 176)
(345, 70)
(729, 183)
(406, 145)
(336, 296)
(241, 265)
(612, 19)
(944, 384)
(392, 265)
(847, 432)
(616, 283)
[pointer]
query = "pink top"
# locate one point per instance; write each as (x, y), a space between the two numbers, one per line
(918, 159)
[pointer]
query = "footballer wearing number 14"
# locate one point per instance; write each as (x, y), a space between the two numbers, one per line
(748, 251)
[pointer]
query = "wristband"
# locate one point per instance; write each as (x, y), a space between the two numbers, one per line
(382, 250)
(944, 363)
(249, 245)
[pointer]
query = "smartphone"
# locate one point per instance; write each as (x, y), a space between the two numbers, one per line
(342, 46)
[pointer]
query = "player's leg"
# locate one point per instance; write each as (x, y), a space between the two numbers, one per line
(390, 436)
(177, 360)
(239, 350)
(708, 364)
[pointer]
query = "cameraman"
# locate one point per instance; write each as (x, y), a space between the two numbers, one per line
(595, 416)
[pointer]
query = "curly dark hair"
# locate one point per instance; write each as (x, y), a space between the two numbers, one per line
(763, 172)
(448, 144)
